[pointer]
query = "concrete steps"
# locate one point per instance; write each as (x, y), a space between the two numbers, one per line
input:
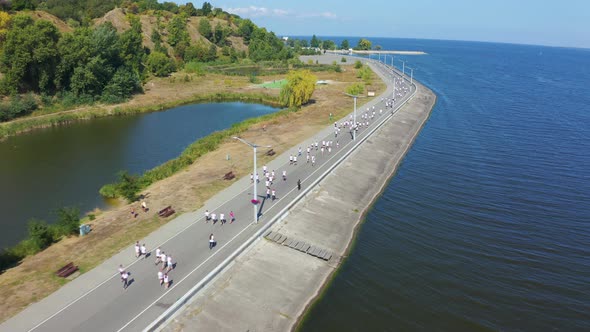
(299, 245)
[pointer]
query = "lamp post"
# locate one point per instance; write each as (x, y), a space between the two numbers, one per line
(354, 116)
(403, 67)
(411, 75)
(254, 195)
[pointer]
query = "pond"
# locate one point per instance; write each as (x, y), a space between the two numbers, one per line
(66, 166)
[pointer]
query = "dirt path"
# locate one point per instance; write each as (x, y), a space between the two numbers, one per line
(115, 229)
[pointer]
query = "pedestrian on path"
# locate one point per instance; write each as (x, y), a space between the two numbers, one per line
(125, 278)
(211, 241)
(166, 281)
(121, 270)
(214, 218)
(169, 264)
(284, 175)
(137, 249)
(158, 253)
(207, 216)
(274, 196)
(267, 193)
(161, 277)
(251, 178)
(222, 218)
(232, 216)
(299, 184)
(143, 250)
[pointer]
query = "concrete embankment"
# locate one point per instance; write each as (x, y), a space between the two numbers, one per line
(269, 287)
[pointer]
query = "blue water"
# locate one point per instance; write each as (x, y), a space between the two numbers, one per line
(486, 225)
(65, 166)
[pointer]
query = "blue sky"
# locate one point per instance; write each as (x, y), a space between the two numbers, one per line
(541, 22)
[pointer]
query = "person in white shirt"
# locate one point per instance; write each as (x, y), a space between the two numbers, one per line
(143, 250)
(161, 277)
(284, 175)
(166, 281)
(214, 217)
(207, 217)
(125, 278)
(137, 249)
(158, 253)
(222, 218)
(169, 264)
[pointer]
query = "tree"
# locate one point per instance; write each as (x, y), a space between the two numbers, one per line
(188, 9)
(363, 44)
(356, 89)
(206, 9)
(39, 234)
(29, 55)
(128, 186)
(298, 89)
(358, 64)
(205, 28)
(4, 24)
(328, 45)
(68, 220)
(315, 42)
(344, 45)
(177, 31)
(159, 64)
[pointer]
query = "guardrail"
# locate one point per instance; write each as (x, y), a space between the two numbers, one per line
(279, 216)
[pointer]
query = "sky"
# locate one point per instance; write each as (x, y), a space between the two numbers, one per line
(537, 22)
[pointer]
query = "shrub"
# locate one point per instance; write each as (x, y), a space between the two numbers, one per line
(128, 186)
(194, 67)
(358, 64)
(356, 89)
(109, 190)
(39, 234)
(343, 59)
(68, 221)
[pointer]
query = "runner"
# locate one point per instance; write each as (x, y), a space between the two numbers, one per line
(143, 250)
(222, 218)
(166, 280)
(137, 249)
(232, 216)
(211, 241)
(158, 253)
(161, 277)
(207, 217)
(214, 218)
(284, 175)
(274, 196)
(125, 278)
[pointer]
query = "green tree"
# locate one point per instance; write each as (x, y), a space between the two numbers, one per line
(315, 42)
(68, 220)
(124, 83)
(206, 9)
(344, 45)
(39, 234)
(358, 64)
(328, 45)
(159, 64)
(246, 29)
(188, 9)
(363, 44)
(128, 186)
(298, 89)
(356, 89)
(205, 28)
(177, 32)
(29, 55)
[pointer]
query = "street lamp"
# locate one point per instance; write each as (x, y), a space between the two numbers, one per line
(411, 75)
(254, 196)
(403, 67)
(354, 116)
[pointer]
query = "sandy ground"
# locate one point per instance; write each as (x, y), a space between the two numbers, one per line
(113, 230)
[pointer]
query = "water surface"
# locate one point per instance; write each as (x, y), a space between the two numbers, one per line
(486, 225)
(65, 166)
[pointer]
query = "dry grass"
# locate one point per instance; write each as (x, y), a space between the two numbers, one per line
(114, 230)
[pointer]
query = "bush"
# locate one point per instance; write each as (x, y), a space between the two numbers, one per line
(109, 191)
(68, 221)
(194, 67)
(39, 234)
(343, 59)
(358, 64)
(17, 107)
(159, 64)
(128, 186)
(356, 89)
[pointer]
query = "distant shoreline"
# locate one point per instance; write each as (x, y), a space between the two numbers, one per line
(380, 52)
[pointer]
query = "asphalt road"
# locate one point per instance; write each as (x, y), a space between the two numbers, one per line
(109, 307)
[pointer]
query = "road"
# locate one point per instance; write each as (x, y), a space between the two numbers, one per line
(109, 307)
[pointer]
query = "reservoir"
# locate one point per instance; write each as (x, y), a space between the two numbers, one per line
(50, 168)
